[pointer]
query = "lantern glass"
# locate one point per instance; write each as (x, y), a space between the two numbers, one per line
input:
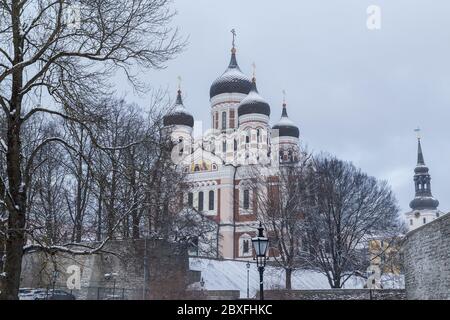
(260, 245)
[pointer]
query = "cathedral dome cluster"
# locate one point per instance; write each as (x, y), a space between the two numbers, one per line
(240, 122)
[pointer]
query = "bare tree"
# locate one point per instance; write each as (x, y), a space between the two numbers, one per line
(42, 53)
(281, 203)
(346, 208)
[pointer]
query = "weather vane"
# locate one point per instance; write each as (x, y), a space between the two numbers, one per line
(417, 131)
(179, 83)
(233, 32)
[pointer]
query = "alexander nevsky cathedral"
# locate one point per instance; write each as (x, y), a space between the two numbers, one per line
(217, 166)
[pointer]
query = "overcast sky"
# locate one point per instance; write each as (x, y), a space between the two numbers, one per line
(354, 92)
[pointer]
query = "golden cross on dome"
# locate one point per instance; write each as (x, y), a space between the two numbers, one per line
(417, 131)
(233, 32)
(284, 97)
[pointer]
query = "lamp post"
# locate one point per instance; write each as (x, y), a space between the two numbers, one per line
(248, 280)
(260, 244)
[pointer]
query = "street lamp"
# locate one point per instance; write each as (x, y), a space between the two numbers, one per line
(260, 244)
(202, 283)
(248, 279)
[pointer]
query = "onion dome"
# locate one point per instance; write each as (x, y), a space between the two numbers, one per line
(423, 199)
(253, 103)
(286, 127)
(232, 80)
(179, 115)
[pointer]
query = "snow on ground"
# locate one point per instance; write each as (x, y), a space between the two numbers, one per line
(232, 275)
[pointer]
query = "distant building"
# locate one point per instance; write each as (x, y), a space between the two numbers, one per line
(424, 207)
(384, 253)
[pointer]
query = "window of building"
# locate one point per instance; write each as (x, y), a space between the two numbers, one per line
(245, 246)
(258, 135)
(411, 222)
(247, 139)
(232, 119)
(193, 247)
(235, 145)
(190, 199)
(424, 220)
(224, 146)
(211, 200)
(224, 120)
(216, 121)
(437, 214)
(200, 201)
(246, 202)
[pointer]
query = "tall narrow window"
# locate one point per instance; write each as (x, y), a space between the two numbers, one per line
(258, 135)
(224, 120)
(246, 199)
(232, 117)
(410, 222)
(224, 146)
(190, 199)
(424, 220)
(245, 247)
(235, 145)
(216, 121)
(211, 200)
(200, 201)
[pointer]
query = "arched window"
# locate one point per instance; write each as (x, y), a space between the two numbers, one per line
(424, 220)
(190, 199)
(235, 145)
(247, 138)
(411, 222)
(224, 120)
(258, 135)
(245, 246)
(246, 201)
(200, 201)
(211, 200)
(224, 146)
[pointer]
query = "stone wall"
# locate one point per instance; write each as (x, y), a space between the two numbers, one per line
(167, 277)
(335, 294)
(426, 259)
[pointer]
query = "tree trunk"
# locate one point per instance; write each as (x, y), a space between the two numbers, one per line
(288, 278)
(16, 219)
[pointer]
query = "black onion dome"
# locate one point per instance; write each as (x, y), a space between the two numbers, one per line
(253, 103)
(286, 127)
(179, 115)
(232, 80)
(423, 203)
